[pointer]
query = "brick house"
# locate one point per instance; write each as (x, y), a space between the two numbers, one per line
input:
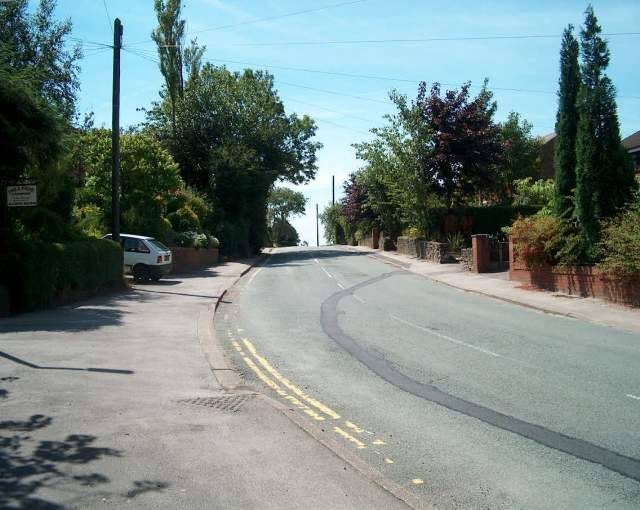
(631, 143)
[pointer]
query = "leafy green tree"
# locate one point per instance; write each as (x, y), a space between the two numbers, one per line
(521, 157)
(233, 142)
(566, 125)
(34, 46)
(530, 192)
(169, 38)
(604, 174)
(334, 222)
(32, 140)
(150, 179)
(282, 205)
(284, 233)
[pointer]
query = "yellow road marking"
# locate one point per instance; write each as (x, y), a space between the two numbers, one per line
(417, 481)
(388, 461)
(288, 384)
(237, 346)
(356, 428)
(253, 276)
(379, 441)
(360, 445)
(263, 377)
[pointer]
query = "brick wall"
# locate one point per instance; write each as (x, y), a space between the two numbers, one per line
(583, 281)
(192, 259)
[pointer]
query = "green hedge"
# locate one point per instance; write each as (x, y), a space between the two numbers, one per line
(484, 220)
(37, 272)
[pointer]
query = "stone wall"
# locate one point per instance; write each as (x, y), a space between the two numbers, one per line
(411, 246)
(436, 252)
(466, 259)
(192, 259)
(583, 281)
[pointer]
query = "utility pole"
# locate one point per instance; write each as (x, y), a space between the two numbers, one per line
(115, 132)
(317, 228)
(333, 190)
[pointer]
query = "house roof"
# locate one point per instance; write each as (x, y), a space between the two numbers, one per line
(632, 141)
(548, 137)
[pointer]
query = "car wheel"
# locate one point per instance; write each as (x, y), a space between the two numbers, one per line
(155, 278)
(141, 272)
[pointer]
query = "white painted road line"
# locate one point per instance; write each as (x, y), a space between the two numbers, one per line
(445, 337)
(327, 272)
(316, 261)
(635, 397)
(341, 286)
(358, 298)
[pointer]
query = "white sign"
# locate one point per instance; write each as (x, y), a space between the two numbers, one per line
(22, 196)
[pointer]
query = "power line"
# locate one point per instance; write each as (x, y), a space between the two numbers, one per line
(106, 11)
(421, 40)
(330, 110)
(370, 77)
(259, 20)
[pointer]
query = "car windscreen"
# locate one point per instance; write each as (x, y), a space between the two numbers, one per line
(157, 244)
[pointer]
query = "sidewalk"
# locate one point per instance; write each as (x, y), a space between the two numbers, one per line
(498, 285)
(111, 402)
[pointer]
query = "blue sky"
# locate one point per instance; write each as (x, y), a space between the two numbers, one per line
(530, 64)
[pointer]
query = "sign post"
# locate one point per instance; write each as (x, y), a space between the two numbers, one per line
(22, 195)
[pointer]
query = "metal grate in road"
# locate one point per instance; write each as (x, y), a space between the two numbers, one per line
(228, 402)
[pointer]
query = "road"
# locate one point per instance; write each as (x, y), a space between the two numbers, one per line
(466, 401)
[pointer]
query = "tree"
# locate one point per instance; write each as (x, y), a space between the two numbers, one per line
(336, 228)
(282, 205)
(31, 136)
(169, 37)
(604, 174)
(390, 183)
(150, 179)
(34, 46)
(521, 158)
(566, 125)
(465, 144)
(233, 142)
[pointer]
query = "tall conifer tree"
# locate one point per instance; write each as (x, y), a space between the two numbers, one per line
(566, 124)
(604, 176)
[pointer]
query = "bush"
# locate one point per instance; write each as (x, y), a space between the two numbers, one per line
(530, 192)
(621, 243)
(482, 220)
(192, 239)
(546, 240)
(184, 220)
(37, 272)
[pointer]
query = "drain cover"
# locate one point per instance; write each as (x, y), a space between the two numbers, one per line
(231, 403)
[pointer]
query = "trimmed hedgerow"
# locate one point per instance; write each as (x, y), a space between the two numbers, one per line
(37, 272)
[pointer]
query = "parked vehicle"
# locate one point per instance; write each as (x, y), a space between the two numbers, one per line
(144, 257)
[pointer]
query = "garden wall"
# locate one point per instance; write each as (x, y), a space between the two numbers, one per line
(186, 260)
(423, 249)
(583, 281)
(36, 274)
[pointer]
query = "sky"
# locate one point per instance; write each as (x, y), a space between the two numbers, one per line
(342, 36)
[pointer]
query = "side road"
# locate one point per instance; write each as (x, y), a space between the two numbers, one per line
(112, 402)
(500, 287)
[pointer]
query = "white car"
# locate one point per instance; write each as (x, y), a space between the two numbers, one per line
(144, 257)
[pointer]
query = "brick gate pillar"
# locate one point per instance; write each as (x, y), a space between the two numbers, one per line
(481, 253)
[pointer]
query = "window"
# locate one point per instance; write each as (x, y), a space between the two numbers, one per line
(157, 244)
(129, 244)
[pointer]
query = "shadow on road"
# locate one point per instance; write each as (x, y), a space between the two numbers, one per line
(295, 258)
(28, 465)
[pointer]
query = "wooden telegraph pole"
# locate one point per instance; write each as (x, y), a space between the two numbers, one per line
(115, 132)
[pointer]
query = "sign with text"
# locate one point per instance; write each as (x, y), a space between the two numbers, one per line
(23, 195)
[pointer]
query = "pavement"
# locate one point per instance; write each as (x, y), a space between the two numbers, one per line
(460, 399)
(111, 402)
(498, 286)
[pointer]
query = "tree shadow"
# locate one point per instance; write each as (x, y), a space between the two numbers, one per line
(28, 465)
(299, 257)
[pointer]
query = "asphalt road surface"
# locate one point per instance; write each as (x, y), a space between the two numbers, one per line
(466, 401)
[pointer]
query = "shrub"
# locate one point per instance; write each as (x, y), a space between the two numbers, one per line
(89, 219)
(412, 232)
(621, 243)
(192, 239)
(530, 192)
(37, 272)
(546, 240)
(184, 220)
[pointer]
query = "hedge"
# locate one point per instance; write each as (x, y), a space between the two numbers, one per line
(37, 272)
(484, 220)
